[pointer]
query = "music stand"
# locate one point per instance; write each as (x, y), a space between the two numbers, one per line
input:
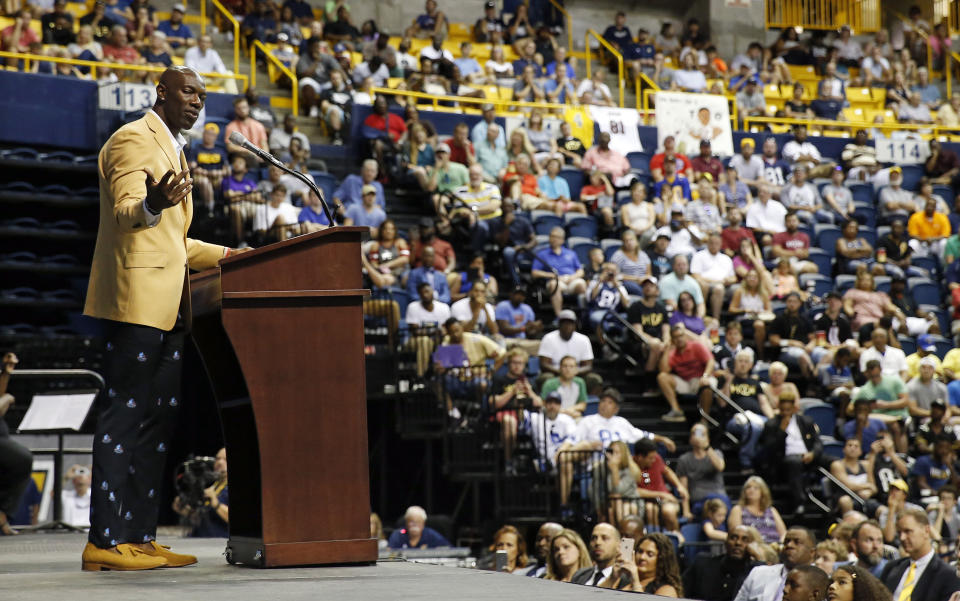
(57, 414)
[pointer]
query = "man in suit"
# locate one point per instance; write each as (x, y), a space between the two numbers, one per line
(921, 575)
(604, 549)
(140, 289)
(766, 583)
(719, 578)
(789, 444)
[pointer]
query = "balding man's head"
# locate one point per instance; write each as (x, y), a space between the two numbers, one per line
(181, 95)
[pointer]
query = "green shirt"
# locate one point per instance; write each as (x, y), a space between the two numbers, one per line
(889, 389)
(554, 383)
(951, 252)
(454, 176)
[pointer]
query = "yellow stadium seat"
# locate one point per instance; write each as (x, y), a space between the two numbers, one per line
(802, 72)
(176, 60)
(772, 90)
(458, 32)
(722, 83)
(835, 133)
(393, 82)
(854, 115)
(772, 110)
(305, 33)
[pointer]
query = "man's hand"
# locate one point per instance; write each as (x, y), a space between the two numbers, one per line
(169, 191)
(9, 363)
(807, 457)
(210, 493)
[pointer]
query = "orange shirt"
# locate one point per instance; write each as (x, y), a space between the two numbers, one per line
(922, 228)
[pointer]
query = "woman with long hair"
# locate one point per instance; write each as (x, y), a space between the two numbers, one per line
(755, 508)
(622, 476)
(388, 253)
(517, 144)
(686, 314)
(749, 302)
(543, 141)
(653, 569)
(568, 553)
(497, 67)
(509, 539)
(864, 304)
(634, 264)
(853, 583)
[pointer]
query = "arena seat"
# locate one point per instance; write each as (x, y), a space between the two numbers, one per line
(826, 236)
(911, 176)
(610, 246)
(929, 263)
(925, 291)
(907, 344)
(580, 225)
(574, 179)
(822, 259)
(824, 415)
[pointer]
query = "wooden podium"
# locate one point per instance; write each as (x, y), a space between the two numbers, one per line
(280, 332)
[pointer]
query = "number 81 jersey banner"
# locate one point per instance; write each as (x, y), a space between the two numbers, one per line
(621, 124)
(691, 118)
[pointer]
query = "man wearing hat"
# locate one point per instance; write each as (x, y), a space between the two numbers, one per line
(748, 165)
(208, 165)
(923, 389)
(682, 165)
(649, 318)
(368, 213)
(926, 350)
(896, 504)
(478, 134)
(750, 100)
(894, 202)
(447, 176)
(705, 162)
(563, 342)
(550, 429)
(489, 25)
(179, 35)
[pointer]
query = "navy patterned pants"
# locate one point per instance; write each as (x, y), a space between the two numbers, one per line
(137, 414)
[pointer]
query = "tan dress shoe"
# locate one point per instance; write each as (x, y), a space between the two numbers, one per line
(122, 557)
(174, 560)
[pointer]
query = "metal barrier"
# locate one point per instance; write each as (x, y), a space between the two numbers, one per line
(926, 131)
(229, 17)
(605, 44)
(295, 85)
(568, 24)
(638, 82)
(501, 105)
(862, 16)
(94, 65)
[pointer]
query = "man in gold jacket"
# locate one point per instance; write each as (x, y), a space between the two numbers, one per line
(139, 287)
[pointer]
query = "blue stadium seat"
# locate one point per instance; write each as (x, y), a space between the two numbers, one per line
(403, 299)
(543, 223)
(59, 156)
(883, 283)
(639, 161)
(866, 216)
(18, 186)
(622, 197)
(326, 182)
(882, 230)
(22, 153)
(574, 179)
(826, 236)
(824, 415)
(869, 234)
(845, 282)
(580, 225)
(610, 246)
(822, 259)
(929, 263)
(822, 284)
(911, 177)
(944, 192)
(924, 291)
(907, 344)
(943, 345)
(943, 316)
(583, 250)
(833, 449)
(863, 193)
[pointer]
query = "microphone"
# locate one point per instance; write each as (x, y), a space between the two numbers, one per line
(240, 140)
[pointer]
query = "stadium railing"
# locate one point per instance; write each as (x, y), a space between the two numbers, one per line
(568, 24)
(502, 105)
(925, 130)
(616, 55)
(224, 13)
(27, 58)
(294, 87)
(862, 16)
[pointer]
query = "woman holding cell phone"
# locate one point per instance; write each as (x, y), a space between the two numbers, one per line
(652, 569)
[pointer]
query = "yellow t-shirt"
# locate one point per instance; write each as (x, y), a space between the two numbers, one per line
(921, 227)
(913, 364)
(951, 361)
(478, 348)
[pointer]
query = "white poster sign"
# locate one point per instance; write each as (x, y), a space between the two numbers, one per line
(621, 124)
(690, 118)
(902, 151)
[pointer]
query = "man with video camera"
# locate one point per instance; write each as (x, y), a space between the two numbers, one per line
(208, 511)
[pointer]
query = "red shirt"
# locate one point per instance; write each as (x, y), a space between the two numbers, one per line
(122, 54)
(442, 254)
(691, 362)
(794, 241)
(395, 128)
(458, 154)
(594, 191)
(732, 239)
(683, 163)
(27, 36)
(711, 165)
(652, 477)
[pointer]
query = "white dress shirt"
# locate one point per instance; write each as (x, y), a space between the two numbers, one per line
(763, 583)
(178, 142)
(794, 444)
(922, 564)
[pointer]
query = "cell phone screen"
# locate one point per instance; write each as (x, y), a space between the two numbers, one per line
(626, 548)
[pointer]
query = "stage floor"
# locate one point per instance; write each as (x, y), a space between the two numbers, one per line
(47, 567)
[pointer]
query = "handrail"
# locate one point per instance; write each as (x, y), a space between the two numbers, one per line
(569, 24)
(842, 487)
(94, 65)
(729, 401)
(926, 41)
(732, 100)
(236, 28)
(294, 87)
(638, 92)
(917, 127)
(612, 50)
(948, 71)
(437, 99)
(62, 373)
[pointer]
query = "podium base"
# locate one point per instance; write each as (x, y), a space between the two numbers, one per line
(254, 552)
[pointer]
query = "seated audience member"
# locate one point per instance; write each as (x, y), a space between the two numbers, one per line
(118, 48)
(766, 217)
(460, 383)
(652, 568)
(937, 426)
(274, 218)
(662, 507)
(648, 316)
(210, 520)
(561, 268)
(745, 390)
(929, 230)
(571, 147)
(604, 548)
(866, 306)
(568, 554)
(676, 183)
(682, 164)
(914, 111)
(517, 321)
(514, 399)
(803, 198)
(240, 194)
(749, 166)
(556, 190)
(431, 23)
(594, 91)
(416, 534)
(854, 473)
(155, 52)
(313, 73)
(614, 164)
(811, 582)
(509, 539)
(565, 341)
(892, 360)
(605, 293)
(474, 312)
(860, 159)
(280, 137)
(336, 104)
(788, 445)
(765, 583)
(936, 470)
(350, 191)
(755, 509)
(750, 100)
(796, 108)
(208, 165)
(706, 162)
(571, 388)
(713, 270)
(251, 129)
(945, 517)
(178, 33)
(701, 470)
(735, 193)
(490, 26)
(461, 283)
(367, 213)
(677, 281)
(312, 217)
(428, 272)
(894, 202)
(890, 401)
(801, 152)
(688, 78)
(19, 36)
(923, 389)
(686, 367)
(389, 253)
(854, 252)
(719, 577)
(491, 157)
(75, 501)
(937, 581)
(424, 318)
(837, 196)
